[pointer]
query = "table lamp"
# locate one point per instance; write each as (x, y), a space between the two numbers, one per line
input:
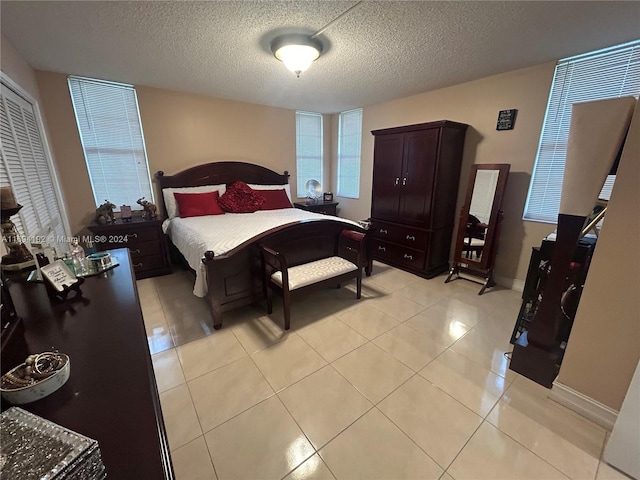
(19, 256)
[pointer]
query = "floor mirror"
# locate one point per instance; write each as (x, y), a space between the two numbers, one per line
(479, 225)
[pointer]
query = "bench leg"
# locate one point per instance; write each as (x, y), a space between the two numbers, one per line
(269, 295)
(286, 303)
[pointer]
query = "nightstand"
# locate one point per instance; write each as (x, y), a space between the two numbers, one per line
(326, 208)
(144, 239)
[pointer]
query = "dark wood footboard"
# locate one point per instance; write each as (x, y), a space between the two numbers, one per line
(234, 279)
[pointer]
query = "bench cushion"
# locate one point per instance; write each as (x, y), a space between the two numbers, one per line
(313, 272)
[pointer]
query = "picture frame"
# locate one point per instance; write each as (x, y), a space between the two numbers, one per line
(59, 276)
(125, 213)
(328, 197)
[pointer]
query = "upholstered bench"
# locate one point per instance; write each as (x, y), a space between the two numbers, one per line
(289, 280)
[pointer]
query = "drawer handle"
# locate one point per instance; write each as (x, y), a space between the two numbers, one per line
(384, 231)
(397, 181)
(411, 237)
(137, 250)
(404, 181)
(384, 249)
(136, 265)
(408, 257)
(134, 235)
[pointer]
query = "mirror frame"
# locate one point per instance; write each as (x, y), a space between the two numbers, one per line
(485, 266)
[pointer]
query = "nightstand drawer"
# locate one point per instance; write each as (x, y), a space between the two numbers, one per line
(140, 249)
(144, 263)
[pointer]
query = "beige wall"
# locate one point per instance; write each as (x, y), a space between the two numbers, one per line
(181, 130)
(477, 104)
(18, 69)
(604, 347)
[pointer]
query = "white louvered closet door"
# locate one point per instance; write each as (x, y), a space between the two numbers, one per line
(24, 166)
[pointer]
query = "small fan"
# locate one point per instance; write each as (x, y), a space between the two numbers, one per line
(314, 189)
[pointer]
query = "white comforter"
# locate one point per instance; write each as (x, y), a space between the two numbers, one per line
(221, 233)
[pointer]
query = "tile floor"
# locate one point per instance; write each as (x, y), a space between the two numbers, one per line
(409, 382)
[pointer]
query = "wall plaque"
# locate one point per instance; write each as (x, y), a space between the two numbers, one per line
(506, 119)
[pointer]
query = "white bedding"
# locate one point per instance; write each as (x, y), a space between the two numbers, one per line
(221, 233)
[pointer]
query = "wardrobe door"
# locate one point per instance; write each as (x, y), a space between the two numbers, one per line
(418, 169)
(387, 169)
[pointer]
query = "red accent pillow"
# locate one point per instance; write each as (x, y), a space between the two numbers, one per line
(197, 204)
(274, 199)
(241, 198)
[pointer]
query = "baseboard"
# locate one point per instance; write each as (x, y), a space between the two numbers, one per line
(583, 405)
(511, 283)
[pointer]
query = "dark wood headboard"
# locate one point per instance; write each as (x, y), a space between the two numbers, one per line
(220, 172)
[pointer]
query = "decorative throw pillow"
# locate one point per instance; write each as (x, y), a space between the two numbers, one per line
(198, 204)
(274, 199)
(170, 200)
(240, 198)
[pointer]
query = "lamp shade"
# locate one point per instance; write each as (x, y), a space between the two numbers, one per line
(297, 52)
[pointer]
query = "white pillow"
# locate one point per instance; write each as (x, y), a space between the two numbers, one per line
(170, 201)
(286, 187)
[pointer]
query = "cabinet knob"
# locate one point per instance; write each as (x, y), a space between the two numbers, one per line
(411, 237)
(408, 257)
(404, 181)
(397, 181)
(384, 231)
(384, 249)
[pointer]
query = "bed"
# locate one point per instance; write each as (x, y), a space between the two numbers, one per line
(229, 271)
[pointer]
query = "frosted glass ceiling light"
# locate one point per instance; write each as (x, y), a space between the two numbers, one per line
(297, 52)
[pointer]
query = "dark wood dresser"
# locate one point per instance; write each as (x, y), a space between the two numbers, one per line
(111, 395)
(416, 173)
(143, 238)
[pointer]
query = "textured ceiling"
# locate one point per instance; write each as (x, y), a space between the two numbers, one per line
(377, 52)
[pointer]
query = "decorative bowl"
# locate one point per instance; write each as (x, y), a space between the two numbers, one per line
(101, 259)
(41, 389)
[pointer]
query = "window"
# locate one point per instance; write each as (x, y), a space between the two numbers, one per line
(349, 142)
(111, 134)
(609, 73)
(308, 149)
(26, 168)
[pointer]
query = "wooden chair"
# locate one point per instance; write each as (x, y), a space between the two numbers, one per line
(293, 280)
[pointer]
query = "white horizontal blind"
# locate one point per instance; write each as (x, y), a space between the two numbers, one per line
(308, 149)
(349, 144)
(112, 139)
(25, 168)
(610, 73)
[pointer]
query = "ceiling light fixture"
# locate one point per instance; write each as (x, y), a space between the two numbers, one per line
(298, 51)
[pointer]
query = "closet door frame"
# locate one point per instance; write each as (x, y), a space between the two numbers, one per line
(17, 89)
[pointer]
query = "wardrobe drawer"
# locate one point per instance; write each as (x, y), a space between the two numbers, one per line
(398, 254)
(407, 236)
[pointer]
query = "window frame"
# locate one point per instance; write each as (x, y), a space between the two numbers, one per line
(339, 191)
(300, 188)
(558, 104)
(99, 201)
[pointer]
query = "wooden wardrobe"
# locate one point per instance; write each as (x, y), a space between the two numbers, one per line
(416, 173)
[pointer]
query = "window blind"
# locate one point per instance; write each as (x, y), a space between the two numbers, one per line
(609, 73)
(349, 144)
(25, 168)
(308, 149)
(112, 139)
